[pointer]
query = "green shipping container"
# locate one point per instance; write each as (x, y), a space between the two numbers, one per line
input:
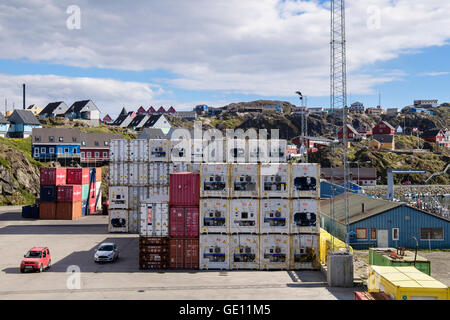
(380, 257)
(85, 192)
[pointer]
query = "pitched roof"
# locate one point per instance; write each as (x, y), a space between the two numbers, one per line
(152, 133)
(120, 119)
(383, 138)
(141, 110)
(151, 110)
(23, 116)
(386, 124)
(350, 127)
(171, 110)
(137, 120)
(52, 106)
(123, 112)
(97, 139)
(431, 133)
(152, 120)
(78, 106)
(107, 118)
(339, 172)
(68, 135)
(372, 207)
(161, 110)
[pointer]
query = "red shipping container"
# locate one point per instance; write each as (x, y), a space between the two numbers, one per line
(53, 176)
(78, 176)
(184, 189)
(184, 254)
(68, 210)
(47, 210)
(183, 222)
(92, 207)
(69, 193)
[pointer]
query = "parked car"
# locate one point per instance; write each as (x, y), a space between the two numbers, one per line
(37, 259)
(406, 183)
(106, 252)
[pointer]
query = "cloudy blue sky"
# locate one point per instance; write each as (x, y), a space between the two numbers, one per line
(183, 53)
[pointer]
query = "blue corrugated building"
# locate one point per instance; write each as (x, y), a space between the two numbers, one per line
(379, 223)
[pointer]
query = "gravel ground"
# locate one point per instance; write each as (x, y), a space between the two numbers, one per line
(400, 190)
(440, 266)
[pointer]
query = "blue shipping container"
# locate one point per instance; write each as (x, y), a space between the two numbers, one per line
(48, 193)
(84, 208)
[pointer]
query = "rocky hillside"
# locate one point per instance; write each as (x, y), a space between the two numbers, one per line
(19, 174)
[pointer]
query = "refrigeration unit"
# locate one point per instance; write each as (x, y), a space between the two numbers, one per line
(305, 180)
(305, 216)
(244, 251)
(304, 251)
(274, 180)
(214, 180)
(118, 197)
(245, 180)
(257, 151)
(274, 216)
(214, 251)
(158, 150)
(277, 151)
(118, 221)
(244, 216)
(214, 215)
(274, 252)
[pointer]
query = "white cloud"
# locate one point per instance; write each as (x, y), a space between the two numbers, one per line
(433, 74)
(263, 47)
(109, 95)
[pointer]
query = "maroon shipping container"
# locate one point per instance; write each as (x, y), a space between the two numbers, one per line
(150, 265)
(69, 193)
(184, 254)
(53, 176)
(151, 241)
(183, 222)
(184, 189)
(78, 176)
(47, 210)
(68, 210)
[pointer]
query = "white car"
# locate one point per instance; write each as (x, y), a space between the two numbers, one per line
(106, 252)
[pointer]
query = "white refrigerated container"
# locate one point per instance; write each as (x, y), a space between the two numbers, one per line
(274, 216)
(133, 221)
(244, 251)
(194, 167)
(274, 180)
(305, 216)
(236, 150)
(175, 167)
(305, 180)
(118, 197)
(244, 216)
(304, 251)
(119, 150)
(138, 174)
(277, 150)
(158, 150)
(214, 180)
(180, 150)
(257, 151)
(139, 150)
(118, 221)
(214, 215)
(214, 251)
(158, 194)
(154, 220)
(196, 151)
(245, 180)
(118, 174)
(214, 151)
(158, 174)
(274, 252)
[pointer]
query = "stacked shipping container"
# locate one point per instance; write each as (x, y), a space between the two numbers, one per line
(69, 193)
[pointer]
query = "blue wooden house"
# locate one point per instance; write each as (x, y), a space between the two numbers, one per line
(55, 143)
(4, 125)
(21, 124)
(379, 223)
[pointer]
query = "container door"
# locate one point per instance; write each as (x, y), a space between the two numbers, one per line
(382, 239)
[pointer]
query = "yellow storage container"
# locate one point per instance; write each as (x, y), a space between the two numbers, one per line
(406, 283)
(326, 244)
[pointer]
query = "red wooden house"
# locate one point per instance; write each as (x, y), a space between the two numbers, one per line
(151, 110)
(352, 134)
(107, 119)
(95, 146)
(161, 110)
(435, 136)
(383, 127)
(141, 110)
(171, 110)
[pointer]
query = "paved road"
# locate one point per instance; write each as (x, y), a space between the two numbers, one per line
(72, 243)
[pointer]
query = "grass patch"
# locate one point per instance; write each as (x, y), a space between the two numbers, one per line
(4, 162)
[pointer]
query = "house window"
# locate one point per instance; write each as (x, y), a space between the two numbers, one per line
(96, 143)
(82, 155)
(51, 150)
(36, 151)
(361, 234)
(89, 154)
(395, 234)
(373, 234)
(61, 139)
(105, 154)
(97, 154)
(74, 150)
(83, 143)
(37, 138)
(74, 139)
(431, 234)
(42, 150)
(51, 138)
(66, 150)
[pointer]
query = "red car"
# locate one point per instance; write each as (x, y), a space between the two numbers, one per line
(37, 259)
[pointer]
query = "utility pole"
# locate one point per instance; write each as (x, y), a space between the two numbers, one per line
(338, 84)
